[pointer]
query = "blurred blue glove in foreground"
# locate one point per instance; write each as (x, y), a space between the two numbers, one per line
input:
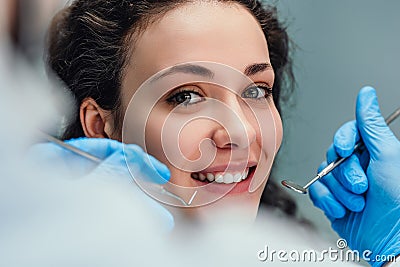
(62, 162)
(113, 154)
(361, 197)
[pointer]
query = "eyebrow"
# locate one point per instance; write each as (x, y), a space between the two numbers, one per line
(204, 72)
(256, 68)
(187, 68)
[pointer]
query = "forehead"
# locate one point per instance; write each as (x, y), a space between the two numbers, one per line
(226, 33)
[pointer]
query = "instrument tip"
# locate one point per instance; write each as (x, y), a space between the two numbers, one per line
(295, 187)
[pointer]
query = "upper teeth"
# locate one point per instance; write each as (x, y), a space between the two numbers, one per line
(221, 177)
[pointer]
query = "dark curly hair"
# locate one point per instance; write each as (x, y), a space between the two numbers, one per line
(88, 49)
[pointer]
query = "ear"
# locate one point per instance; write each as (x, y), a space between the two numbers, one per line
(96, 122)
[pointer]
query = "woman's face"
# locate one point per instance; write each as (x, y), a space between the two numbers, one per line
(213, 32)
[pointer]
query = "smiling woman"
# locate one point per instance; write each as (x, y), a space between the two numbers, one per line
(107, 51)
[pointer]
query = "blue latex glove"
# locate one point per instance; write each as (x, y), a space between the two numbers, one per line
(362, 196)
(111, 151)
(57, 160)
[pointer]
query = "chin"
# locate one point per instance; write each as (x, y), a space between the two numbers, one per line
(237, 209)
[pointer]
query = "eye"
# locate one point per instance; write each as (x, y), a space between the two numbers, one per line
(185, 97)
(257, 92)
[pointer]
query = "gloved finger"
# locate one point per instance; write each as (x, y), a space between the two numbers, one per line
(350, 173)
(374, 131)
(363, 157)
(324, 200)
(346, 138)
(353, 202)
(99, 147)
(144, 166)
(115, 153)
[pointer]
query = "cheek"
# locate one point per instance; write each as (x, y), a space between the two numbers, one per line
(269, 138)
(190, 139)
(153, 133)
(191, 149)
(278, 129)
(176, 144)
(271, 131)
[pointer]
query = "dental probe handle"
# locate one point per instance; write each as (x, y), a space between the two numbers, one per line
(359, 147)
(70, 148)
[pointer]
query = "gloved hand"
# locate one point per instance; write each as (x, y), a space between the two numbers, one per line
(361, 197)
(113, 169)
(112, 153)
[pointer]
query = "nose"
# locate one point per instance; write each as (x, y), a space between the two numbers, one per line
(234, 129)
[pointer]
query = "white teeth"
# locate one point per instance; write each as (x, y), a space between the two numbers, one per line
(219, 178)
(210, 177)
(202, 177)
(226, 178)
(246, 172)
(238, 177)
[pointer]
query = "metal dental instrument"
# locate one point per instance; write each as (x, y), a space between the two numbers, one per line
(357, 148)
(70, 148)
(89, 156)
